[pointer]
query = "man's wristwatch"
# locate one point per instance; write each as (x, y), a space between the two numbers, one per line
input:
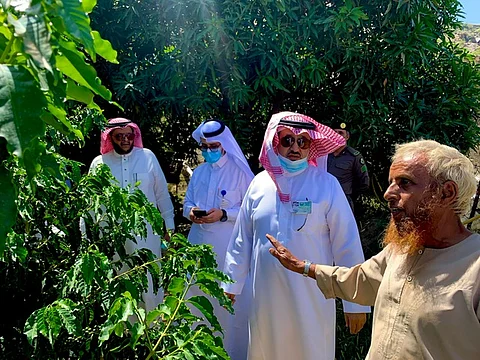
(224, 216)
(306, 268)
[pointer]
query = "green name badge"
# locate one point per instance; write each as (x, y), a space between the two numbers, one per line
(302, 207)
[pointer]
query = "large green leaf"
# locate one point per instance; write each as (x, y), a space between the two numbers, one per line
(43, 321)
(119, 312)
(50, 320)
(36, 42)
(62, 125)
(122, 308)
(88, 5)
(31, 327)
(206, 308)
(8, 208)
(65, 309)
(77, 23)
(176, 286)
(72, 64)
(32, 156)
(53, 121)
(21, 103)
(15, 245)
(49, 163)
(213, 274)
(137, 331)
(78, 93)
(54, 323)
(88, 268)
(104, 48)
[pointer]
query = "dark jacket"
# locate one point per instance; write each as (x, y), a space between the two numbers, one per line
(350, 170)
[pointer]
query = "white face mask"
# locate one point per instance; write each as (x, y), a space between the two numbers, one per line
(293, 166)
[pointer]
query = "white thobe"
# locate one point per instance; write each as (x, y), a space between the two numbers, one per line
(289, 318)
(142, 165)
(220, 185)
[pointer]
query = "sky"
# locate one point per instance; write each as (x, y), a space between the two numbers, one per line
(471, 8)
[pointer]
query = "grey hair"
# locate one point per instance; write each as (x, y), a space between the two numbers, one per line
(444, 163)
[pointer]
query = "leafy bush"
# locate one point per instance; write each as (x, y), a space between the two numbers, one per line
(71, 289)
(47, 49)
(388, 68)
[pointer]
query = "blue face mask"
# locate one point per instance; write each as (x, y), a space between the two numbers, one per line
(293, 166)
(212, 156)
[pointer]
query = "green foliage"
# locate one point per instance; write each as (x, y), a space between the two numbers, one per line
(67, 280)
(7, 204)
(388, 68)
(42, 48)
(76, 292)
(66, 277)
(50, 320)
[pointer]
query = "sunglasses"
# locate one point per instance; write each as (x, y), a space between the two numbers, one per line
(288, 141)
(120, 137)
(212, 147)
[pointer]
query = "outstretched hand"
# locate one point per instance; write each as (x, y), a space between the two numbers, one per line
(354, 321)
(286, 258)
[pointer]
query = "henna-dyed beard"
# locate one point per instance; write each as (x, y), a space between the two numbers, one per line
(408, 235)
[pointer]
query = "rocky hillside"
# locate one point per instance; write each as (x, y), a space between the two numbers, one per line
(469, 37)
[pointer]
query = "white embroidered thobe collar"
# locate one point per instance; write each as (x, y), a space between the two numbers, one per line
(221, 162)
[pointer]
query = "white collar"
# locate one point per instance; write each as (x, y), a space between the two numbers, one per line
(124, 155)
(222, 161)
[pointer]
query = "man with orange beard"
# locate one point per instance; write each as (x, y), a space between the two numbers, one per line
(425, 283)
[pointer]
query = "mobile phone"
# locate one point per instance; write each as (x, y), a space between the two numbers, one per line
(199, 213)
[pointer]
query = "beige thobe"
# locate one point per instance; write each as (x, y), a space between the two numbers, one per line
(427, 306)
